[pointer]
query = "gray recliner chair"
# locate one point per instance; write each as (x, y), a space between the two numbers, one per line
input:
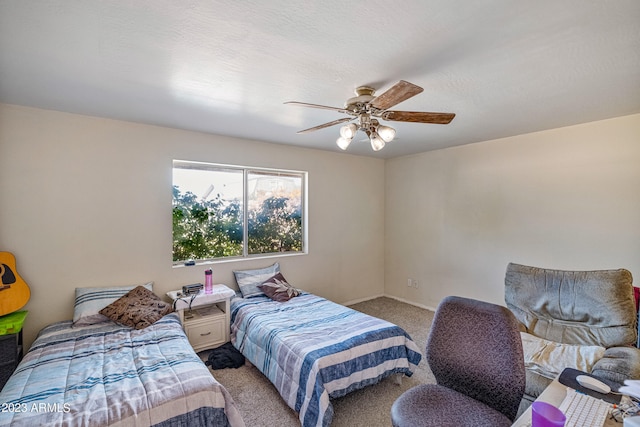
(584, 320)
(475, 354)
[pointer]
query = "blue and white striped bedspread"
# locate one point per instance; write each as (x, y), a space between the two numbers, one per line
(108, 374)
(312, 350)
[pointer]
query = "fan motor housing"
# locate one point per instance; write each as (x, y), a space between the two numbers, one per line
(364, 95)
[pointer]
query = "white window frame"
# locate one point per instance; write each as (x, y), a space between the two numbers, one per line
(246, 170)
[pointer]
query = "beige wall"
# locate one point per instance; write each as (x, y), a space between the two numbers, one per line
(86, 202)
(566, 198)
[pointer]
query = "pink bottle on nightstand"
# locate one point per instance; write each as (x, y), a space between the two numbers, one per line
(208, 281)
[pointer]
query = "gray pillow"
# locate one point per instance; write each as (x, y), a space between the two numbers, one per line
(249, 280)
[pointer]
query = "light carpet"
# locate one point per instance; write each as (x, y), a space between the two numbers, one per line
(261, 406)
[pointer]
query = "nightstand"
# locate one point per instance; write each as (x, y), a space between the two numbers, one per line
(205, 317)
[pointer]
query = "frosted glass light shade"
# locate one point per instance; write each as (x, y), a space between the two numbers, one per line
(343, 143)
(377, 143)
(348, 131)
(387, 133)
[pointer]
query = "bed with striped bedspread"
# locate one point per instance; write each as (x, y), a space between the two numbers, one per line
(314, 350)
(107, 374)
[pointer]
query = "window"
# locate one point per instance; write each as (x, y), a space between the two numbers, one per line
(222, 211)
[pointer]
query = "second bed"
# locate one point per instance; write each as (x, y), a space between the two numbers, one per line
(314, 350)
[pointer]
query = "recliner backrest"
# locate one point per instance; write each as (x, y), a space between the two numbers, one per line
(573, 307)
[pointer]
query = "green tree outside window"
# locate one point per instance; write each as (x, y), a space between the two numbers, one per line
(211, 225)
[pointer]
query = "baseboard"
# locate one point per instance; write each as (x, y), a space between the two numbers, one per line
(409, 302)
(356, 301)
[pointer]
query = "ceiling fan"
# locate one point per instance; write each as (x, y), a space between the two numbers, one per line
(365, 109)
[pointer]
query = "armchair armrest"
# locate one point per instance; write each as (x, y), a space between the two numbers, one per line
(618, 364)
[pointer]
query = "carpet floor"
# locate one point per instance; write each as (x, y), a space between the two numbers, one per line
(261, 406)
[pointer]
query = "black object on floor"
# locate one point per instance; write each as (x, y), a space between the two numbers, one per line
(225, 356)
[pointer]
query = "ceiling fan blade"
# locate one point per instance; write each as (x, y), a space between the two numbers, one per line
(326, 125)
(399, 92)
(418, 117)
(324, 107)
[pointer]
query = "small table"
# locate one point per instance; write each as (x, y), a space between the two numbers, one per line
(553, 394)
(205, 317)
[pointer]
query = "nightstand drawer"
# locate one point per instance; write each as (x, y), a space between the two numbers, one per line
(206, 334)
(205, 317)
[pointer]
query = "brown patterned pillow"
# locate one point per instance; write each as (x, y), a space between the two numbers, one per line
(138, 308)
(278, 289)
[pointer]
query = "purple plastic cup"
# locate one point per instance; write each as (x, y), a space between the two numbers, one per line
(546, 415)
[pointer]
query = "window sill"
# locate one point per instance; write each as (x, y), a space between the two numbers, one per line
(238, 259)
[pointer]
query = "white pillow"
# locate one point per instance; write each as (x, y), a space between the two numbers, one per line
(249, 280)
(549, 358)
(89, 302)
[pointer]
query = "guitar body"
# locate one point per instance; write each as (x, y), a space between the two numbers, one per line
(14, 292)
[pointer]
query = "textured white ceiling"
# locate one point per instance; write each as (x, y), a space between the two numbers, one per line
(226, 66)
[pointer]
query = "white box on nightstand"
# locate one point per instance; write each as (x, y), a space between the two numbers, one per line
(205, 317)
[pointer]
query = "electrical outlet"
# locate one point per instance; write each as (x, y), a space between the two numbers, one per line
(415, 284)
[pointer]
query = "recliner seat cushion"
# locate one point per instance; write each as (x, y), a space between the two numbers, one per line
(548, 358)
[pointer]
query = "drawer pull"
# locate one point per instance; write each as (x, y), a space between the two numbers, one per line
(204, 335)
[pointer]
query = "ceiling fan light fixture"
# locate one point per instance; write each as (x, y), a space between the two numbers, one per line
(377, 143)
(367, 108)
(343, 142)
(348, 131)
(387, 133)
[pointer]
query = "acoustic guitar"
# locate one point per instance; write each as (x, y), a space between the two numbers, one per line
(14, 292)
